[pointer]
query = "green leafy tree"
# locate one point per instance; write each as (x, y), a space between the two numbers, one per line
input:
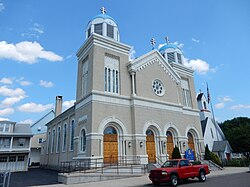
(207, 153)
(176, 153)
(237, 132)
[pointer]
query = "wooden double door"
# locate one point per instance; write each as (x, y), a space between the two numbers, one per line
(110, 151)
(170, 145)
(150, 146)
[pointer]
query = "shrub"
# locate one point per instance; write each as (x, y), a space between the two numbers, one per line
(207, 153)
(215, 158)
(238, 162)
(176, 153)
(196, 162)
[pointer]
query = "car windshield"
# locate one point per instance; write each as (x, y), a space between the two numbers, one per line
(170, 163)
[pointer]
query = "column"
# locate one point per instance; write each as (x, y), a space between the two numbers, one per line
(133, 83)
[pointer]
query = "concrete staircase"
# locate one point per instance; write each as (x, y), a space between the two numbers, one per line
(212, 166)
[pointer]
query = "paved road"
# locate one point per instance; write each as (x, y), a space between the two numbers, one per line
(34, 177)
(229, 177)
(232, 180)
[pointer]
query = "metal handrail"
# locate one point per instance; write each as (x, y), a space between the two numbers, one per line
(97, 164)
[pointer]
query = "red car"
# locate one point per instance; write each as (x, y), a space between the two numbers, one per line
(178, 169)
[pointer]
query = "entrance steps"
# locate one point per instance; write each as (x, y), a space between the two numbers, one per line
(212, 166)
(101, 174)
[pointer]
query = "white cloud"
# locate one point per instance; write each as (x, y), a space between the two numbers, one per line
(4, 119)
(68, 104)
(22, 82)
(34, 108)
(9, 101)
(240, 106)
(220, 105)
(1, 7)
(34, 31)
(5, 80)
(223, 101)
(5, 91)
(195, 40)
(198, 65)
(38, 28)
(27, 52)
(179, 45)
(25, 83)
(27, 121)
(46, 84)
(6, 111)
(226, 99)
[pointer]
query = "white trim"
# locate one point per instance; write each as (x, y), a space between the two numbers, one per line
(112, 119)
(150, 58)
(139, 101)
(152, 126)
(176, 133)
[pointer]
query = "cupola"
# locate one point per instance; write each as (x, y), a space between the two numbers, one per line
(171, 52)
(104, 25)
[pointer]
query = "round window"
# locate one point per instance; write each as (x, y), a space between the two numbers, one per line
(158, 87)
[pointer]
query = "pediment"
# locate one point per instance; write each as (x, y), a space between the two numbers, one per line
(139, 64)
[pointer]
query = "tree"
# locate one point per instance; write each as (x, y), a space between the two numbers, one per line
(207, 153)
(176, 153)
(237, 132)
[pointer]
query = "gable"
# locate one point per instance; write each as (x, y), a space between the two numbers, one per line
(150, 58)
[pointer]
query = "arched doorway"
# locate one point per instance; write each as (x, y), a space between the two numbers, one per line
(170, 144)
(150, 146)
(110, 146)
(191, 142)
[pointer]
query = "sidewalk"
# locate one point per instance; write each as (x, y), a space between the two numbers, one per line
(144, 181)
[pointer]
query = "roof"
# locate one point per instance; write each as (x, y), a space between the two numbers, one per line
(199, 96)
(52, 111)
(21, 128)
(204, 125)
(220, 146)
(167, 46)
(103, 16)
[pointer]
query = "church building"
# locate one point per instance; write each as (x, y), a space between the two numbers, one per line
(125, 109)
(213, 135)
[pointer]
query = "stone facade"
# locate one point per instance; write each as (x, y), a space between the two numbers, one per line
(126, 108)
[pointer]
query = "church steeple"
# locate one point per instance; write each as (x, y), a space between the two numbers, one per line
(104, 25)
(203, 106)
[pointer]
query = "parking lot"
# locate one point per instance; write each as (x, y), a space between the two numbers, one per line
(34, 177)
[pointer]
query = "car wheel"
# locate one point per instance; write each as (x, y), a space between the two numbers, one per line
(202, 176)
(174, 180)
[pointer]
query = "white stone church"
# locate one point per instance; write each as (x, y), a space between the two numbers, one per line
(125, 109)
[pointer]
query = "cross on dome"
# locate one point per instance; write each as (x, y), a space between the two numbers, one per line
(153, 42)
(103, 10)
(167, 39)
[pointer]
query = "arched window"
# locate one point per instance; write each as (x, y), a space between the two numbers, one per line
(64, 137)
(72, 134)
(205, 105)
(110, 130)
(58, 139)
(149, 132)
(111, 74)
(83, 140)
(48, 142)
(53, 140)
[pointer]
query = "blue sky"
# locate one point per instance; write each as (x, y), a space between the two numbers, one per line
(39, 40)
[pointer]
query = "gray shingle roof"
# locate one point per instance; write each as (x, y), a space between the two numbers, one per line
(220, 146)
(22, 128)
